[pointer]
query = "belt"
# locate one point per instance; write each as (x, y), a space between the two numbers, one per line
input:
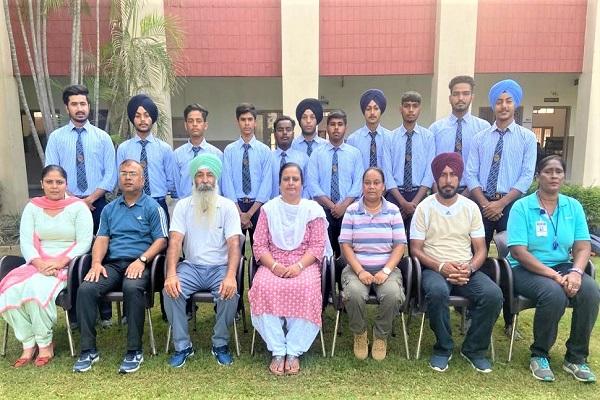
(413, 189)
(246, 200)
(493, 197)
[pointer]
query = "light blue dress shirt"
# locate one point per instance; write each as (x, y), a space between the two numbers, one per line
(161, 163)
(300, 144)
(517, 163)
(99, 153)
(423, 152)
(183, 155)
(361, 139)
(261, 177)
(444, 132)
(350, 171)
(291, 156)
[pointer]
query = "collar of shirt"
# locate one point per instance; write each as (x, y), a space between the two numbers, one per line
(534, 204)
(365, 130)
(510, 128)
(137, 203)
(402, 130)
(361, 206)
(342, 146)
(278, 151)
(201, 145)
(316, 139)
(466, 118)
(85, 126)
(252, 142)
(149, 138)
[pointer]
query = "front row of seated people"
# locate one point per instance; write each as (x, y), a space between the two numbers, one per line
(447, 237)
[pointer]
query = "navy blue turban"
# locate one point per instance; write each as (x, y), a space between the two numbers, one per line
(313, 105)
(144, 101)
(506, 86)
(373, 94)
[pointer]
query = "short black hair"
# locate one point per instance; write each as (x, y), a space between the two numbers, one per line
(411, 96)
(53, 167)
(74, 90)
(376, 169)
(461, 79)
(195, 107)
(337, 114)
(283, 118)
(244, 108)
(544, 161)
(291, 165)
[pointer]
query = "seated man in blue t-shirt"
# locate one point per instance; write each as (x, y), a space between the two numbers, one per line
(133, 230)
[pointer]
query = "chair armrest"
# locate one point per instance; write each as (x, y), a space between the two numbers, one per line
(406, 268)
(324, 270)
(491, 268)
(507, 283)
(157, 278)
(8, 263)
(252, 271)
(417, 282)
(239, 276)
(83, 267)
(72, 279)
(590, 269)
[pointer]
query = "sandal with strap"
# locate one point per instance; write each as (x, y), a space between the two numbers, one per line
(277, 365)
(292, 365)
(23, 361)
(41, 361)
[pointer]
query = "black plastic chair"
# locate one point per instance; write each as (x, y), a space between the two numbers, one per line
(406, 269)
(117, 297)
(490, 267)
(64, 299)
(324, 267)
(207, 297)
(519, 303)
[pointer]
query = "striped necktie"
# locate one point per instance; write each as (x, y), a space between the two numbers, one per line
(335, 178)
(82, 183)
(246, 182)
(408, 162)
(309, 146)
(144, 162)
(196, 150)
(492, 181)
(458, 139)
(373, 150)
(283, 160)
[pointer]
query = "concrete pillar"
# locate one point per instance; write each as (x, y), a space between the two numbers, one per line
(455, 38)
(299, 53)
(586, 155)
(13, 175)
(160, 96)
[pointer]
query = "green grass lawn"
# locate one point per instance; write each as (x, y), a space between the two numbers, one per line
(339, 377)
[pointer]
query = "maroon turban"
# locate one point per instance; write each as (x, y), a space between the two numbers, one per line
(443, 160)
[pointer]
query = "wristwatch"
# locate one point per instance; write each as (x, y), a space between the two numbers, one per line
(143, 259)
(386, 270)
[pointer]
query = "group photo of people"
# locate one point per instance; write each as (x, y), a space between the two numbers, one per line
(399, 220)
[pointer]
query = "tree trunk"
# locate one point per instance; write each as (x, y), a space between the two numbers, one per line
(75, 40)
(97, 79)
(17, 73)
(54, 115)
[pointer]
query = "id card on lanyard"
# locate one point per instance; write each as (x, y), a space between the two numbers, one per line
(541, 228)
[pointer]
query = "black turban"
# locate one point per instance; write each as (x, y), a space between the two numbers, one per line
(144, 101)
(373, 94)
(310, 104)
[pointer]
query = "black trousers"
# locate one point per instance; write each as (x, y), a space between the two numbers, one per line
(134, 302)
(408, 196)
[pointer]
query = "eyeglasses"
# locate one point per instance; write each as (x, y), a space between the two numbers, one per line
(126, 174)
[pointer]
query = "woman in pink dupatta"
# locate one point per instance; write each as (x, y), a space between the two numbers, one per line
(54, 229)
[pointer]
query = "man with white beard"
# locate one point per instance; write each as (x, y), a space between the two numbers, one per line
(207, 227)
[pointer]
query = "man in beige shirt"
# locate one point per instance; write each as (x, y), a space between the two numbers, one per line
(448, 238)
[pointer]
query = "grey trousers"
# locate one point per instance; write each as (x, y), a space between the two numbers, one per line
(390, 295)
(194, 278)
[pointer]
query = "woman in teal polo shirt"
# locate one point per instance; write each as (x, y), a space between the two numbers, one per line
(549, 249)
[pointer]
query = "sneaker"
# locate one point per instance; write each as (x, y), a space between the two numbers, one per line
(581, 372)
(178, 359)
(439, 363)
(379, 349)
(85, 360)
(508, 332)
(222, 355)
(361, 346)
(481, 364)
(540, 368)
(106, 323)
(131, 362)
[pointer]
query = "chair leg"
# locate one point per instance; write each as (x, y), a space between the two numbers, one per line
(237, 340)
(420, 337)
(322, 343)
(244, 318)
(69, 333)
(119, 318)
(405, 333)
(5, 339)
(253, 339)
(194, 316)
(492, 348)
(151, 329)
(512, 336)
(168, 339)
(335, 329)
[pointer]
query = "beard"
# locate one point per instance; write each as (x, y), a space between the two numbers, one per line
(204, 203)
(448, 192)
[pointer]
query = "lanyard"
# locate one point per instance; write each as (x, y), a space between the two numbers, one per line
(543, 210)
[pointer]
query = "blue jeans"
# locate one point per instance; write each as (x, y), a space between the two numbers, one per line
(486, 301)
(194, 278)
(551, 302)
